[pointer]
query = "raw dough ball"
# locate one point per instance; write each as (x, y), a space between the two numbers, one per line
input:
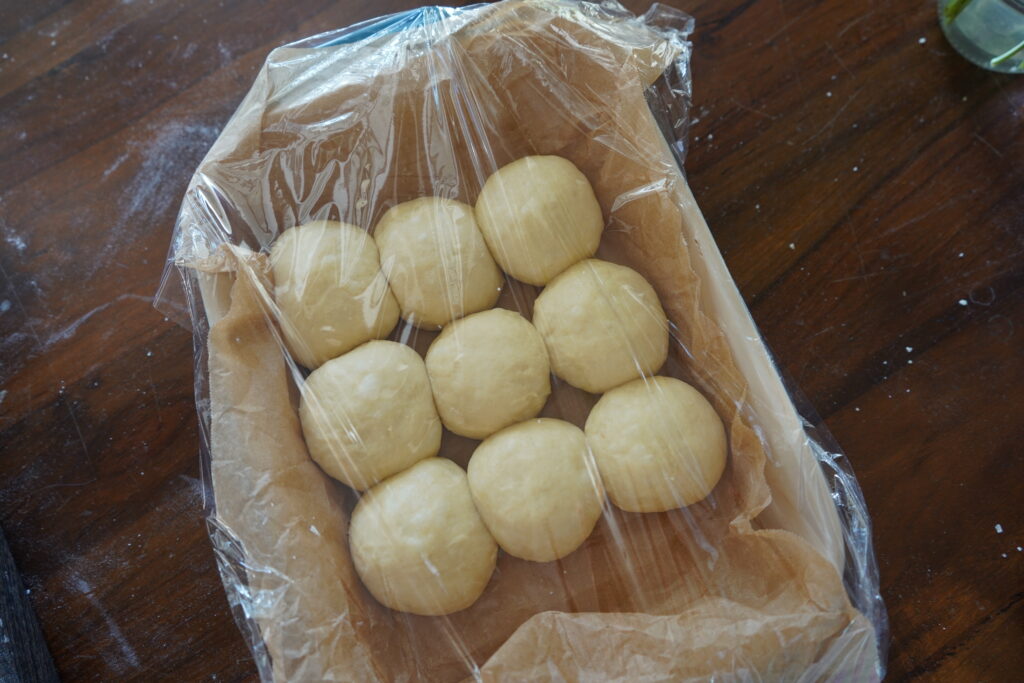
(418, 543)
(331, 292)
(658, 444)
(369, 414)
(537, 488)
(539, 216)
(436, 261)
(488, 370)
(603, 325)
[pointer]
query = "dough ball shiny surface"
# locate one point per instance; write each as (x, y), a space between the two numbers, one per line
(369, 414)
(418, 543)
(658, 444)
(539, 216)
(537, 488)
(436, 261)
(603, 325)
(330, 290)
(488, 370)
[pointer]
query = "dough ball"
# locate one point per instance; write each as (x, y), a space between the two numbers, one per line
(418, 543)
(488, 370)
(658, 444)
(369, 414)
(330, 289)
(539, 216)
(603, 325)
(436, 261)
(537, 488)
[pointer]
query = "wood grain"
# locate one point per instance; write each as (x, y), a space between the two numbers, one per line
(863, 181)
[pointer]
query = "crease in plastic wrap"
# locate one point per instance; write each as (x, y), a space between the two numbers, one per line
(770, 577)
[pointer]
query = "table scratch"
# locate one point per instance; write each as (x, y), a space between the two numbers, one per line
(853, 23)
(78, 429)
(924, 215)
(835, 116)
(789, 44)
(752, 110)
(988, 144)
(841, 62)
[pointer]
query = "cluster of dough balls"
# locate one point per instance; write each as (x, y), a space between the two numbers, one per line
(424, 535)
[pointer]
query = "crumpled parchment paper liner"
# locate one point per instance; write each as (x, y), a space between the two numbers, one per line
(687, 594)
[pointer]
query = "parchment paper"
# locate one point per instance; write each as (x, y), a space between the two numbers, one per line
(346, 132)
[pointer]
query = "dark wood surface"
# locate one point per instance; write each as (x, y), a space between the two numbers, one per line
(865, 184)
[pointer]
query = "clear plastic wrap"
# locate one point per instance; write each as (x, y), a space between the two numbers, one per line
(770, 577)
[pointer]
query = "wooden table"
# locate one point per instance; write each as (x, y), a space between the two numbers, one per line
(865, 184)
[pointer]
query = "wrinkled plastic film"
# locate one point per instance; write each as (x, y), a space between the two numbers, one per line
(771, 575)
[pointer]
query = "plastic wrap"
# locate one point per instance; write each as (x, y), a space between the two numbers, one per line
(770, 577)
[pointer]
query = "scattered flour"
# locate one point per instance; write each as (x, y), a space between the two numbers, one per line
(126, 648)
(14, 239)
